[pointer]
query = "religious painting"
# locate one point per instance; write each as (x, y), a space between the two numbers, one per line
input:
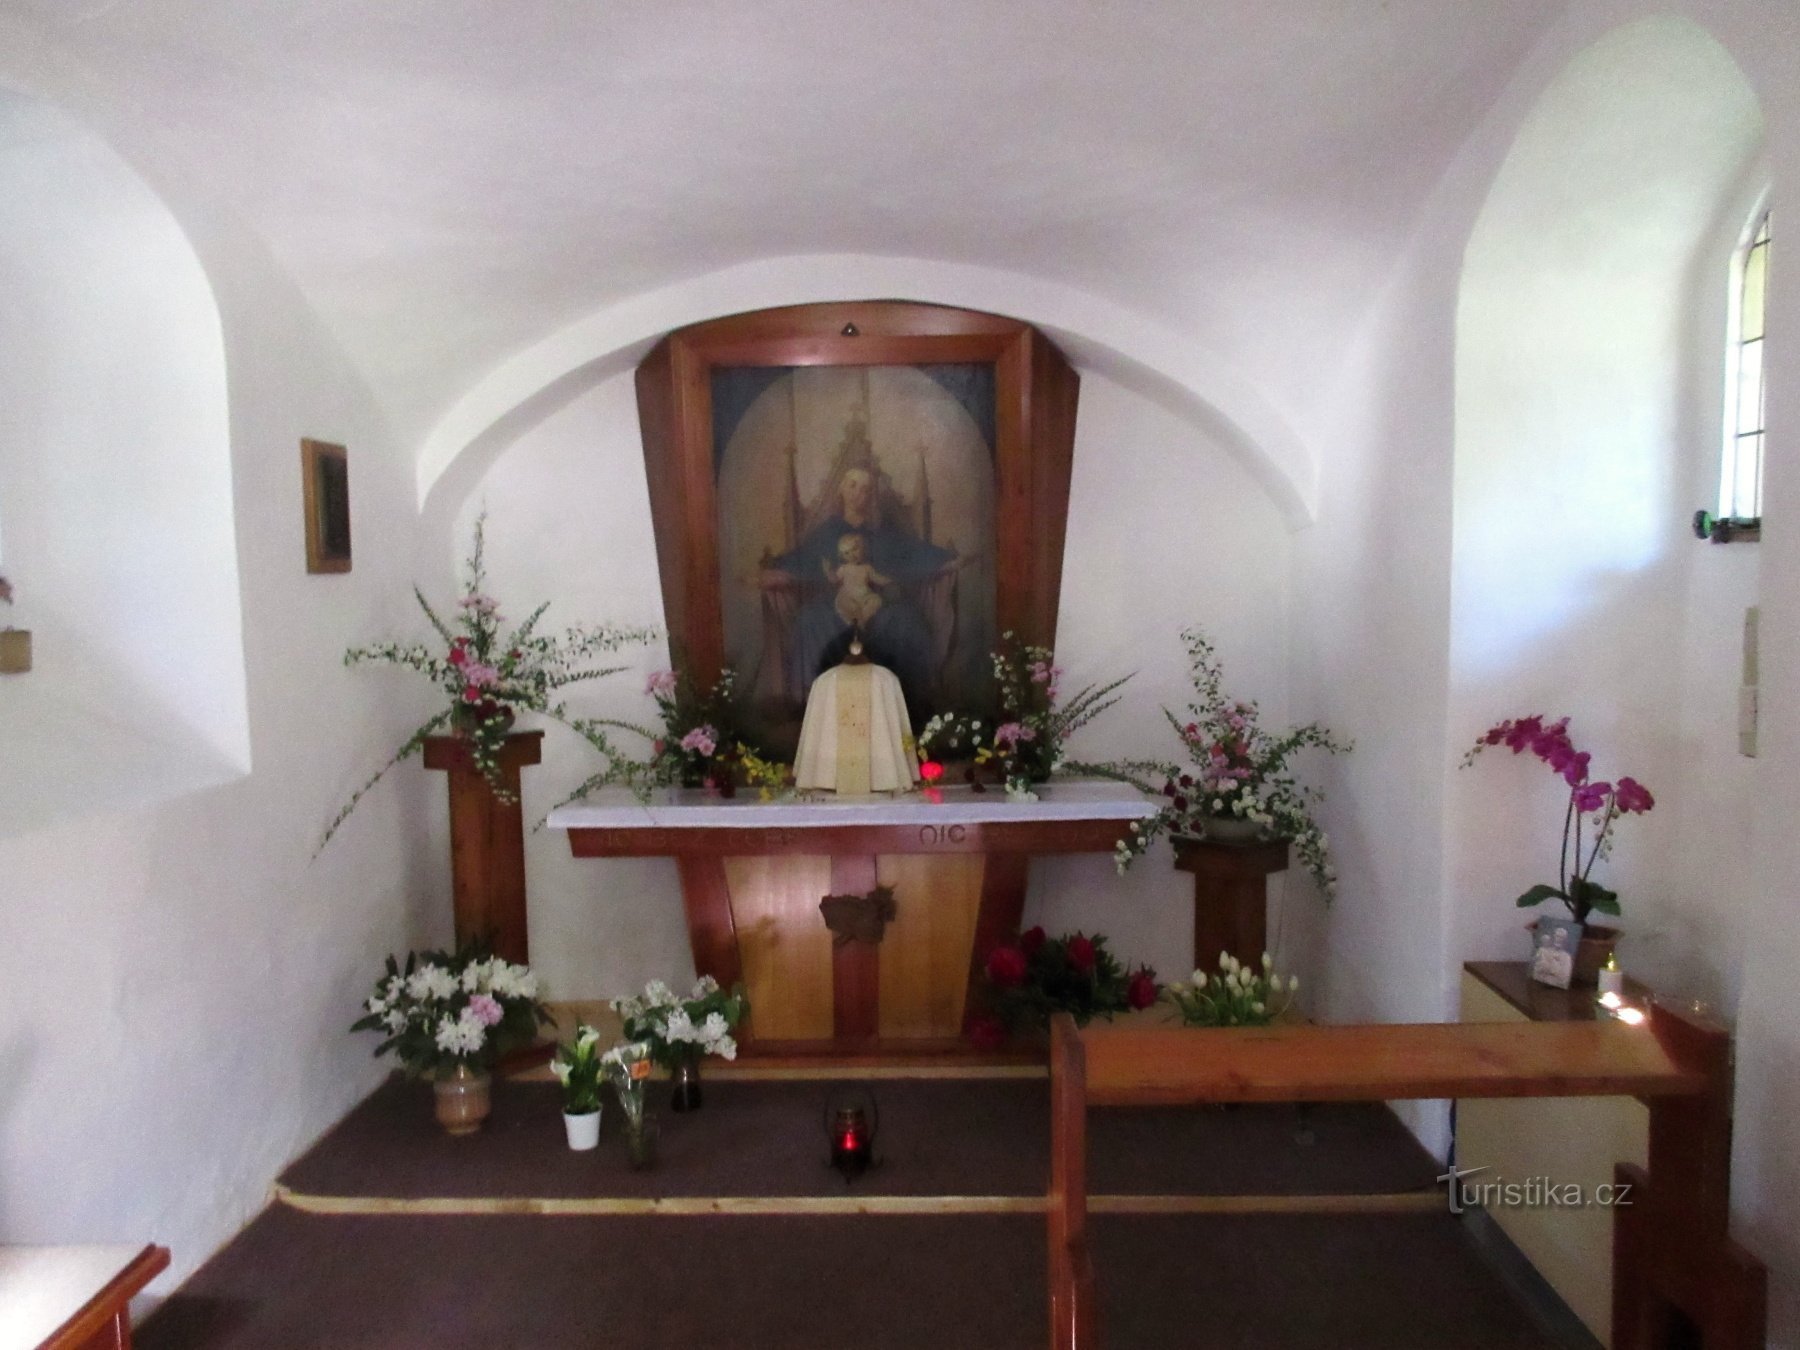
(855, 500)
(325, 491)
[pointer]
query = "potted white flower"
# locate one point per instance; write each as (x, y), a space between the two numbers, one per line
(578, 1068)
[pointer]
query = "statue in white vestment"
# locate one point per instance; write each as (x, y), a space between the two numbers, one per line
(856, 737)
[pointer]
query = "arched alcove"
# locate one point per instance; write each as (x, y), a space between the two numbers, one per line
(1590, 337)
(115, 487)
(1197, 385)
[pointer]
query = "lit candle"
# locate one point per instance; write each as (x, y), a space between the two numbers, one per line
(852, 1142)
(1612, 979)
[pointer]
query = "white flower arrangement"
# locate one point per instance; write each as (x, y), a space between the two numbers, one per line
(1237, 996)
(442, 1010)
(680, 1030)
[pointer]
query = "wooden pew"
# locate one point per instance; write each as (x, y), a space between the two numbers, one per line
(1677, 1274)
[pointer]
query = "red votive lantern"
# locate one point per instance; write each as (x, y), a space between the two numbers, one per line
(850, 1124)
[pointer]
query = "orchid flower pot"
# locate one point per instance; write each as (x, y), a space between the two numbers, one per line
(1596, 945)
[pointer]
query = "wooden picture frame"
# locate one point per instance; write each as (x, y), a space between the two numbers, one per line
(1034, 396)
(325, 482)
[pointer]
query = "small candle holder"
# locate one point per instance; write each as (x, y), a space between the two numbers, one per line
(851, 1121)
(1611, 979)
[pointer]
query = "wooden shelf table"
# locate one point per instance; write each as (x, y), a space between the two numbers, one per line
(753, 874)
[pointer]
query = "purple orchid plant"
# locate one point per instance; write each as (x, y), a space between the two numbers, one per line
(1593, 805)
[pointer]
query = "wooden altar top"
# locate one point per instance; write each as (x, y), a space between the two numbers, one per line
(1073, 816)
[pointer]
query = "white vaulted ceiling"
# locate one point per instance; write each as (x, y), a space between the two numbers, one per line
(448, 181)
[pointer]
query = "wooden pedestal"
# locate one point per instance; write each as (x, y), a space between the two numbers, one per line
(1231, 897)
(487, 843)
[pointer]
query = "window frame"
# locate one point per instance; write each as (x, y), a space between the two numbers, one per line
(1739, 503)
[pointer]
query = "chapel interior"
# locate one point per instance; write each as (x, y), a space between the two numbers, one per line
(1436, 362)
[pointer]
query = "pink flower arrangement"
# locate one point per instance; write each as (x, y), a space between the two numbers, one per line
(702, 740)
(489, 675)
(1593, 804)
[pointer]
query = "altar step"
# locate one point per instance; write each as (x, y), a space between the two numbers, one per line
(758, 1146)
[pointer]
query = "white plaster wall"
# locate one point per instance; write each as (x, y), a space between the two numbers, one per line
(1766, 884)
(1373, 637)
(115, 486)
(183, 972)
(1578, 587)
(1371, 600)
(1165, 528)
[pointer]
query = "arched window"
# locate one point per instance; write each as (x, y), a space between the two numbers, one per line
(1741, 466)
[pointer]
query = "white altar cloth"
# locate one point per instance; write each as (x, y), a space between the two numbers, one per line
(693, 808)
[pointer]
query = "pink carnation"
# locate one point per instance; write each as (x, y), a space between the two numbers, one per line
(479, 675)
(660, 682)
(1011, 733)
(703, 740)
(487, 1009)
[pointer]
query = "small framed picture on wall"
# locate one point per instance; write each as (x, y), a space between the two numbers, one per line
(326, 483)
(1553, 951)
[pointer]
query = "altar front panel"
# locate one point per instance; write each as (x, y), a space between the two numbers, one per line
(786, 954)
(753, 875)
(924, 958)
(783, 946)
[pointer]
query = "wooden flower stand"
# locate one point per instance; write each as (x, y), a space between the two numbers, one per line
(1231, 896)
(487, 843)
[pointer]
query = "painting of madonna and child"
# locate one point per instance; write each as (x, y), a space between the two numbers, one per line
(855, 499)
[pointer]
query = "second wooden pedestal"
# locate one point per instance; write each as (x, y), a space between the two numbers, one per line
(1231, 897)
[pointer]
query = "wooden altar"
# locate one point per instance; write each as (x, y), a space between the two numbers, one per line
(941, 442)
(753, 874)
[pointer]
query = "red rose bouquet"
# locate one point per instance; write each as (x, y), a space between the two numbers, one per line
(1039, 976)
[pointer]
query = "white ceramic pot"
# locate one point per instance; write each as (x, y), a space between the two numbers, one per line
(583, 1130)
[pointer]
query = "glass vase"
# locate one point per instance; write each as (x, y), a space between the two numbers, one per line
(463, 1099)
(685, 1093)
(640, 1141)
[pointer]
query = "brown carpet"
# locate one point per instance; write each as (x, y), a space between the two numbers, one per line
(562, 1282)
(295, 1280)
(968, 1138)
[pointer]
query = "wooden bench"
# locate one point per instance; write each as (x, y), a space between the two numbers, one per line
(1677, 1275)
(72, 1298)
